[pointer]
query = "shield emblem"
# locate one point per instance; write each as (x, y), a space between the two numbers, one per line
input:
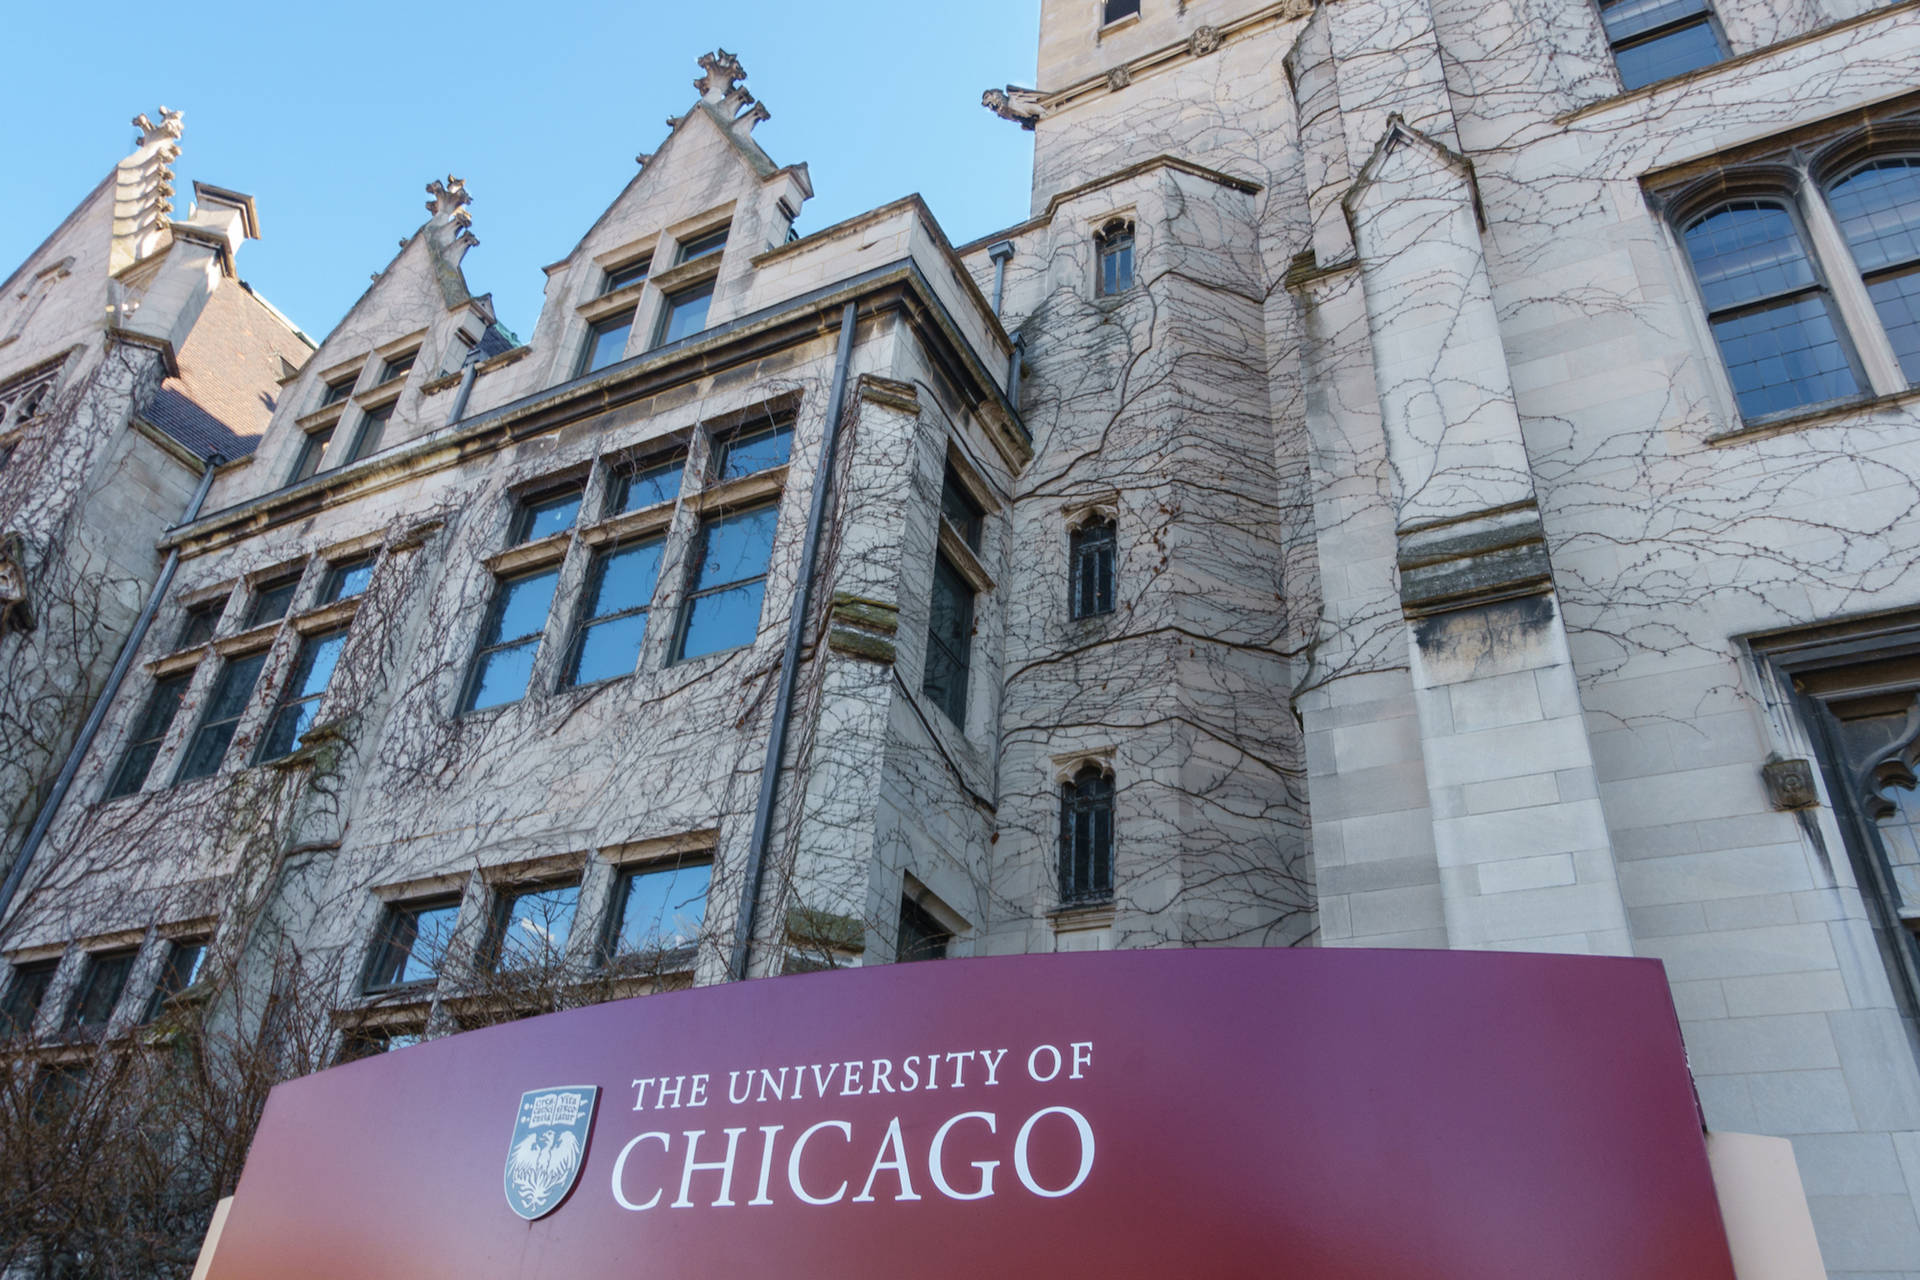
(548, 1147)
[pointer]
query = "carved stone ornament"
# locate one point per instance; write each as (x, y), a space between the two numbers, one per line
(1022, 106)
(171, 126)
(1203, 41)
(16, 613)
(1293, 9)
(1790, 784)
(1119, 78)
(450, 199)
(723, 73)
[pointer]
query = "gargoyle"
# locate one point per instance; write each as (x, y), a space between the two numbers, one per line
(1022, 106)
(16, 612)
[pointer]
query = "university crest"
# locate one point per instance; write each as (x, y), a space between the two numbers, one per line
(549, 1143)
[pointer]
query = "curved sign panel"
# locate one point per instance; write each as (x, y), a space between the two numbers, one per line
(1315, 1115)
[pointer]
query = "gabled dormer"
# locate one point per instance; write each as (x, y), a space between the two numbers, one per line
(672, 255)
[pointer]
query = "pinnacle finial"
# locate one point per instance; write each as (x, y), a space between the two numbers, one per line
(450, 200)
(723, 73)
(172, 124)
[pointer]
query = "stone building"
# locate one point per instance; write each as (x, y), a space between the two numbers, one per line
(1422, 475)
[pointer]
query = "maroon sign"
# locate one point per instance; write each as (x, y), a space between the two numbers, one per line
(1316, 1115)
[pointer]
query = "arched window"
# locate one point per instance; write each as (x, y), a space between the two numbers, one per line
(1877, 207)
(1086, 837)
(1113, 247)
(1091, 553)
(1771, 318)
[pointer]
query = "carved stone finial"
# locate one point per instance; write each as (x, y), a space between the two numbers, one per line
(1022, 106)
(1119, 78)
(1203, 41)
(643, 158)
(450, 200)
(723, 73)
(172, 125)
(16, 613)
(753, 115)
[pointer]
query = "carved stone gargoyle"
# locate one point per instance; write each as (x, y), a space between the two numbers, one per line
(16, 611)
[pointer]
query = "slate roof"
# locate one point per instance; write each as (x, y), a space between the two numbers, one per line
(230, 371)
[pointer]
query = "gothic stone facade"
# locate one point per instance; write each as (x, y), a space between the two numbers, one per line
(1423, 475)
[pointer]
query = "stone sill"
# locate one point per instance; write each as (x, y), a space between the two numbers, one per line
(1819, 415)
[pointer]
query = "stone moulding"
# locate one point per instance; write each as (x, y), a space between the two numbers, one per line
(1474, 560)
(861, 628)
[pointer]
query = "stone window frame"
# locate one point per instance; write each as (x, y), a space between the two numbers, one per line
(1079, 519)
(25, 397)
(1796, 174)
(1653, 35)
(965, 558)
(1121, 222)
(1073, 773)
(656, 857)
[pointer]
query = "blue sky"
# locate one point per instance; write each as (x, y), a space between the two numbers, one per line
(335, 116)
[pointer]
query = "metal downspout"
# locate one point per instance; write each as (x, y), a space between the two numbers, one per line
(790, 658)
(1000, 251)
(51, 806)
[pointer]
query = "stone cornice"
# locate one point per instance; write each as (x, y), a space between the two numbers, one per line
(1202, 43)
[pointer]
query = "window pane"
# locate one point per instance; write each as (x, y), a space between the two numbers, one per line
(1747, 251)
(1092, 551)
(271, 601)
(735, 547)
(686, 314)
(200, 623)
(952, 615)
(701, 246)
(347, 580)
(415, 945)
(607, 342)
(1897, 299)
(24, 995)
(750, 452)
(662, 910)
(920, 937)
(632, 273)
(1627, 18)
(1878, 209)
(398, 366)
(230, 694)
(533, 926)
(1785, 356)
(609, 649)
(1675, 53)
(100, 988)
(624, 578)
(312, 453)
(1118, 9)
(544, 517)
(1116, 262)
(373, 433)
(182, 967)
(336, 392)
(648, 487)
(162, 705)
(723, 620)
(961, 511)
(521, 608)
(300, 703)
(502, 676)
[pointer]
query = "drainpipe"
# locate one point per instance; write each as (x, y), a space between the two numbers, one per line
(790, 658)
(466, 389)
(44, 819)
(1000, 251)
(1015, 363)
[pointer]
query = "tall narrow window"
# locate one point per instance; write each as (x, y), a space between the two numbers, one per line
(546, 514)
(399, 366)
(949, 641)
(613, 613)
(222, 716)
(960, 510)
(1878, 209)
(271, 600)
(162, 705)
(347, 579)
(1118, 9)
(335, 392)
(686, 313)
(300, 700)
(180, 970)
(920, 936)
(1091, 551)
(1654, 39)
(1086, 837)
(658, 912)
(101, 986)
(372, 436)
(200, 622)
(26, 992)
(638, 488)
(1114, 249)
(702, 246)
(531, 927)
(413, 943)
(1770, 316)
(622, 276)
(313, 452)
(746, 452)
(606, 341)
(729, 579)
(510, 639)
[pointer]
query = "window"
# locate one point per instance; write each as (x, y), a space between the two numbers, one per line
(531, 927)
(1091, 550)
(399, 366)
(613, 612)
(347, 579)
(413, 943)
(335, 392)
(704, 245)
(181, 969)
(1118, 9)
(300, 700)
(371, 1042)
(606, 341)
(1877, 207)
(373, 433)
(511, 638)
(1113, 247)
(222, 716)
(686, 313)
(921, 937)
(1655, 39)
(949, 641)
(546, 514)
(312, 453)
(162, 705)
(960, 510)
(271, 600)
(658, 911)
(200, 622)
(632, 273)
(746, 452)
(640, 487)
(1086, 837)
(101, 986)
(1770, 316)
(730, 556)
(6, 454)
(25, 994)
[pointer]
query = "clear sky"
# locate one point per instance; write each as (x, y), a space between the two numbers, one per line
(334, 116)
